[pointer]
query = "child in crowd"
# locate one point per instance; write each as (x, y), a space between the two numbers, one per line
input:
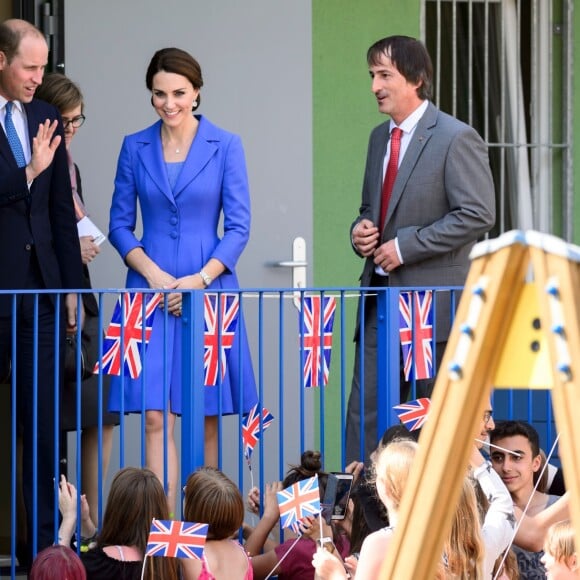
(135, 498)
(560, 559)
(277, 558)
(57, 562)
(519, 467)
(211, 497)
(393, 465)
(473, 546)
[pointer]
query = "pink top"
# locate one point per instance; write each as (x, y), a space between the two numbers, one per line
(206, 574)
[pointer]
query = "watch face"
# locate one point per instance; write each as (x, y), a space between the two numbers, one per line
(206, 279)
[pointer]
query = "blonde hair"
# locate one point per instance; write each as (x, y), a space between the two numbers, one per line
(392, 469)
(560, 541)
(464, 548)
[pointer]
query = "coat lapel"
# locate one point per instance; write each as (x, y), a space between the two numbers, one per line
(203, 148)
(150, 153)
(420, 138)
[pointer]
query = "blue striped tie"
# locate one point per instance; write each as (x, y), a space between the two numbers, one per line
(13, 138)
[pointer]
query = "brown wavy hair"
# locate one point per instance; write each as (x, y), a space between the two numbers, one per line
(211, 497)
(135, 498)
(177, 61)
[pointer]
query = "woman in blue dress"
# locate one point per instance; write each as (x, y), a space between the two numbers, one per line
(184, 173)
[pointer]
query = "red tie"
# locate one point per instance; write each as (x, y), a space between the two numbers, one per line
(391, 173)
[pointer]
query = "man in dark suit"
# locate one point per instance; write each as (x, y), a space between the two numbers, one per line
(39, 249)
(440, 201)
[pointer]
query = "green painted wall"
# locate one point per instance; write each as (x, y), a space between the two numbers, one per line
(344, 113)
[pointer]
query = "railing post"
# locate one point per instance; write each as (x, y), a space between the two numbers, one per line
(388, 358)
(193, 394)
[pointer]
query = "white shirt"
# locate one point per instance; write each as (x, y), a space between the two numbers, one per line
(19, 120)
(408, 127)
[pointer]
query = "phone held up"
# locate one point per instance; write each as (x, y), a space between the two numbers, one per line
(336, 496)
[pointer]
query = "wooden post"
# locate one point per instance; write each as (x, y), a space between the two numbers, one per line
(494, 286)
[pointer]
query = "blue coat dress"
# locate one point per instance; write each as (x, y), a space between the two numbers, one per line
(180, 234)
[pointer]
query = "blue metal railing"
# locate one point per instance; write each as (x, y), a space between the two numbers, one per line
(306, 418)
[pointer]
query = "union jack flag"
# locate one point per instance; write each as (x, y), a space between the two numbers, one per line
(171, 539)
(128, 319)
(215, 337)
(251, 429)
(416, 331)
(413, 414)
(316, 333)
(298, 501)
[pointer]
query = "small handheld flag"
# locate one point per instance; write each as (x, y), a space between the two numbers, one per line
(171, 539)
(221, 336)
(298, 501)
(317, 321)
(414, 413)
(416, 331)
(136, 332)
(251, 429)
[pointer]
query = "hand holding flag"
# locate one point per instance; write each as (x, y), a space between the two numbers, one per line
(172, 539)
(298, 501)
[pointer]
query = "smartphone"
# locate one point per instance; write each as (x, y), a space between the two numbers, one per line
(336, 496)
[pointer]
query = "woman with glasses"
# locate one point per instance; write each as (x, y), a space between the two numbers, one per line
(66, 96)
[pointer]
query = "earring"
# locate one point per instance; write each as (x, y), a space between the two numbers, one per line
(194, 104)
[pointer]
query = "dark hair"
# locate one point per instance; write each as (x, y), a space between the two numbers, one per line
(360, 528)
(177, 61)
(135, 498)
(57, 562)
(410, 58)
(58, 90)
(310, 465)
(211, 497)
(398, 432)
(12, 32)
(505, 429)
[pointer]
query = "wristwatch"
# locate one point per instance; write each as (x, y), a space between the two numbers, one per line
(206, 278)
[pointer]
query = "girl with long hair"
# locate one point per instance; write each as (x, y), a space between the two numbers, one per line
(212, 497)
(136, 497)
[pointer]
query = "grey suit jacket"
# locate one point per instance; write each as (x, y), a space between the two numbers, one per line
(443, 200)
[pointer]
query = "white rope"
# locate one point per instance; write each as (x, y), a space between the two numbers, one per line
(283, 558)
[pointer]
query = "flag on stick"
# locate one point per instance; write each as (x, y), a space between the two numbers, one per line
(316, 332)
(172, 539)
(298, 501)
(414, 413)
(136, 331)
(251, 429)
(416, 332)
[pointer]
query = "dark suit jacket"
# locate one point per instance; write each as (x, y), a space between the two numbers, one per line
(443, 200)
(43, 218)
(89, 300)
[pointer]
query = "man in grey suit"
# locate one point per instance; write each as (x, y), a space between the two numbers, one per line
(420, 233)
